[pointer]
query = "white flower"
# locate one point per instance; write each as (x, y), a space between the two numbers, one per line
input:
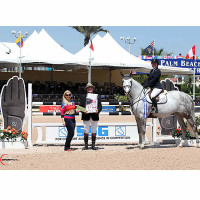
(10, 131)
(2, 134)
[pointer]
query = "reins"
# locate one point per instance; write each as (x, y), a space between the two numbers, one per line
(138, 97)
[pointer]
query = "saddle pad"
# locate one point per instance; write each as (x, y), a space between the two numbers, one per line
(162, 98)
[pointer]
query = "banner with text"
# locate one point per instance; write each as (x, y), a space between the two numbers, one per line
(185, 63)
(106, 132)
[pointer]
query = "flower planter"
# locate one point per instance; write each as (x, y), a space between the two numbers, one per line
(13, 145)
(187, 143)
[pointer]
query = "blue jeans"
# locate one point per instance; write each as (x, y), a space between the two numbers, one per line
(70, 125)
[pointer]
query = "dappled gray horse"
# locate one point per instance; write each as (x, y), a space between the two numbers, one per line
(179, 103)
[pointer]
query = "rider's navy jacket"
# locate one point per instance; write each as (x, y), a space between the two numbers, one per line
(153, 80)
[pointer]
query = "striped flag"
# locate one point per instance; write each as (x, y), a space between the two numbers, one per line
(91, 45)
(19, 41)
(191, 53)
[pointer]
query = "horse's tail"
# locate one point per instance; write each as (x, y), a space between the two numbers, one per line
(192, 108)
(191, 111)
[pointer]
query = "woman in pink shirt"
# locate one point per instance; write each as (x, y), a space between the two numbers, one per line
(68, 110)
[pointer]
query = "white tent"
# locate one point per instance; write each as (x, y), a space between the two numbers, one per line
(109, 54)
(42, 48)
(39, 49)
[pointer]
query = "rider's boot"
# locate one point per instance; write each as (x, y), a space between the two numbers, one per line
(86, 141)
(93, 141)
(155, 107)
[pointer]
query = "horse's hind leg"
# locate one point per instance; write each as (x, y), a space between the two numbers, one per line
(193, 125)
(183, 128)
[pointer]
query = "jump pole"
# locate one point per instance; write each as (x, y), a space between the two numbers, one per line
(30, 115)
(154, 127)
(154, 130)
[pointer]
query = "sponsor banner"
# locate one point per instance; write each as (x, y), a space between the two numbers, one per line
(126, 132)
(185, 63)
(50, 108)
(108, 108)
(57, 108)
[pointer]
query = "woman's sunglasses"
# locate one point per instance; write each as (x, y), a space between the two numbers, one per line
(68, 95)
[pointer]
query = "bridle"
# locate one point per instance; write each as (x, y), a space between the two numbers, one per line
(133, 103)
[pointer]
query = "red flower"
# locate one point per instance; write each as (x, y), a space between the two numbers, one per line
(9, 127)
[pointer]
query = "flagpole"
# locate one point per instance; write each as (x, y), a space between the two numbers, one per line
(20, 73)
(194, 76)
(89, 72)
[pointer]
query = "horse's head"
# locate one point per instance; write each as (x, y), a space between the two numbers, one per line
(126, 82)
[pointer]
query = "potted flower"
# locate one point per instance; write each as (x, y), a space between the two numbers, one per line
(10, 138)
(190, 139)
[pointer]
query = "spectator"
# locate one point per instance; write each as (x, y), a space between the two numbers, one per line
(68, 117)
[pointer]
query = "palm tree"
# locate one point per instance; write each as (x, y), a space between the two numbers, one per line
(157, 52)
(88, 31)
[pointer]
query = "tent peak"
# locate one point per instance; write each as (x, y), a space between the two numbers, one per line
(42, 31)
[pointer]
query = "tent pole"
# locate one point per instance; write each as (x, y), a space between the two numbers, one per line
(89, 73)
(51, 73)
(110, 78)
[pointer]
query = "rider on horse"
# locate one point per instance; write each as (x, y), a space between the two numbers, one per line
(153, 82)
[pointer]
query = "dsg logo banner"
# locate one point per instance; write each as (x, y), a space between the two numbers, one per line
(105, 133)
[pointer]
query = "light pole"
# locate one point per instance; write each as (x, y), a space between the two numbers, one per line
(9, 50)
(20, 65)
(128, 41)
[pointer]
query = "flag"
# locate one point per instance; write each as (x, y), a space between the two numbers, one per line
(149, 49)
(19, 41)
(191, 53)
(91, 45)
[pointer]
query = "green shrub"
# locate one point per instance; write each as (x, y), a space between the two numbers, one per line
(120, 98)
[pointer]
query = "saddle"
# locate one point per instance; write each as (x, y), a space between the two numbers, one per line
(160, 98)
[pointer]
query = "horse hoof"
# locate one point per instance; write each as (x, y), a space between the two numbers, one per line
(155, 144)
(141, 147)
(180, 146)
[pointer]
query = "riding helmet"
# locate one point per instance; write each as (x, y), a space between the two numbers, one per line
(154, 61)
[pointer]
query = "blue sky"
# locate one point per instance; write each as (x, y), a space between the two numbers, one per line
(176, 39)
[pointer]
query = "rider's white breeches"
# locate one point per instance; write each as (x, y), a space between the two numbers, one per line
(155, 92)
(87, 126)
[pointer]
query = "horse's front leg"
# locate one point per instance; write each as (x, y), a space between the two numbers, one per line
(141, 124)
